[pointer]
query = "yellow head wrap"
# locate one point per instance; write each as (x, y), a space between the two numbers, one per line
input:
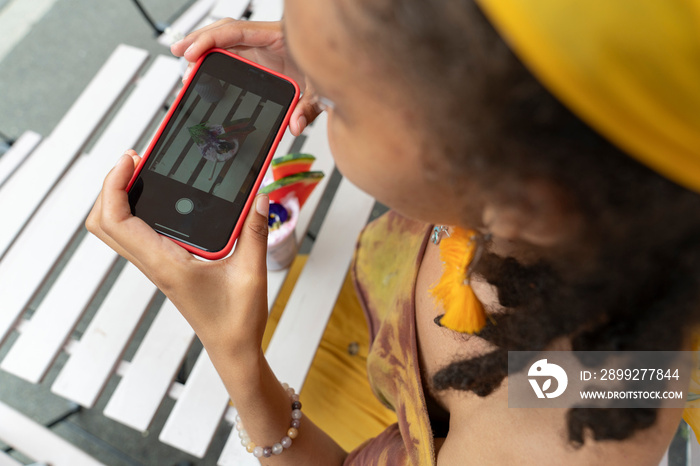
(629, 68)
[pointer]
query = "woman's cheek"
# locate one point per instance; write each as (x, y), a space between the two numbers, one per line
(342, 148)
(351, 155)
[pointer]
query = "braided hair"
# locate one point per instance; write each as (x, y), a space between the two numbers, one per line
(634, 286)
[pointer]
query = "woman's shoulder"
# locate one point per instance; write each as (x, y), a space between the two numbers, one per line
(535, 437)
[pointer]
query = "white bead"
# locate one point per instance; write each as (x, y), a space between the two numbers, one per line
(258, 452)
(290, 392)
(245, 442)
(285, 386)
(277, 448)
(243, 434)
(296, 414)
(286, 442)
(238, 418)
(239, 426)
(295, 397)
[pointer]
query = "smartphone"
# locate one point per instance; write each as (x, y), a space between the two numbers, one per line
(199, 175)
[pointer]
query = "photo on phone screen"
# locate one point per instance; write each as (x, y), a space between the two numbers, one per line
(199, 174)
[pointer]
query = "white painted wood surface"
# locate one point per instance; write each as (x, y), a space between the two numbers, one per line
(38, 442)
(267, 10)
(152, 370)
(229, 9)
(99, 351)
(17, 154)
(198, 411)
(22, 193)
(185, 23)
(693, 449)
(45, 334)
(7, 460)
(35, 251)
(43, 337)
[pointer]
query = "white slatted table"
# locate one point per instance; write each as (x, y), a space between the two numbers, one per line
(59, 200)
(23, 434)
(17, 154)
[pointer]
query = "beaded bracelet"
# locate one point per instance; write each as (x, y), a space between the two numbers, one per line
(286, 441)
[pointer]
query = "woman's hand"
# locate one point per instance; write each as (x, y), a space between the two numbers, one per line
(225, 301)
(261, 42)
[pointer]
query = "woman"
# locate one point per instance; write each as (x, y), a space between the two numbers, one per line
(431, 113)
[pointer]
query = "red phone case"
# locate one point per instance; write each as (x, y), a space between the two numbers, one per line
(244, 213)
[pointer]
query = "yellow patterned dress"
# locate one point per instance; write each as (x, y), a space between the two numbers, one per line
(385, 269)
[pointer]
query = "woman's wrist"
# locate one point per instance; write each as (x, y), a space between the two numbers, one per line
(239, 361)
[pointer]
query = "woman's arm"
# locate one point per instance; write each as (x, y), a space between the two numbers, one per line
(225, 302)
(265, 410)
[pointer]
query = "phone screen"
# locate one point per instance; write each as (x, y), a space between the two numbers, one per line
(201, 170)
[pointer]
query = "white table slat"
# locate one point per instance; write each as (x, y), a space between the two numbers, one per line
(43, 337)
(229, 9)
(694, 448)
(304, 320)
(316, 144)
(35, 251)
(38, 442)
(7, 460)
(17, 154)
(186, 22)
(267, 10)
(198, 411)
(22, 193)
(152, 370)
(85, 374)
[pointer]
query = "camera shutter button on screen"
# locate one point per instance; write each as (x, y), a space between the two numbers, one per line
(184, 206)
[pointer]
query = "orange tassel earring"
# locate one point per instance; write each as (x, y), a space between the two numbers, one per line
(459, 252)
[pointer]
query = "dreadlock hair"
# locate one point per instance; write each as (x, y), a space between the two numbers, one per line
(498, 125)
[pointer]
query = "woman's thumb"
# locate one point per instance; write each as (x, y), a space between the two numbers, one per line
(120, 175)
(114, 196)
(251, 249)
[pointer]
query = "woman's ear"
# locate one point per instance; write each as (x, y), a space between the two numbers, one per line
(542, 214)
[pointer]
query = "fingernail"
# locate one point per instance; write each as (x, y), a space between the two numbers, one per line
(123, 156)
(301, 122)
(262, 205)
(186, 74)
(189, 48)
